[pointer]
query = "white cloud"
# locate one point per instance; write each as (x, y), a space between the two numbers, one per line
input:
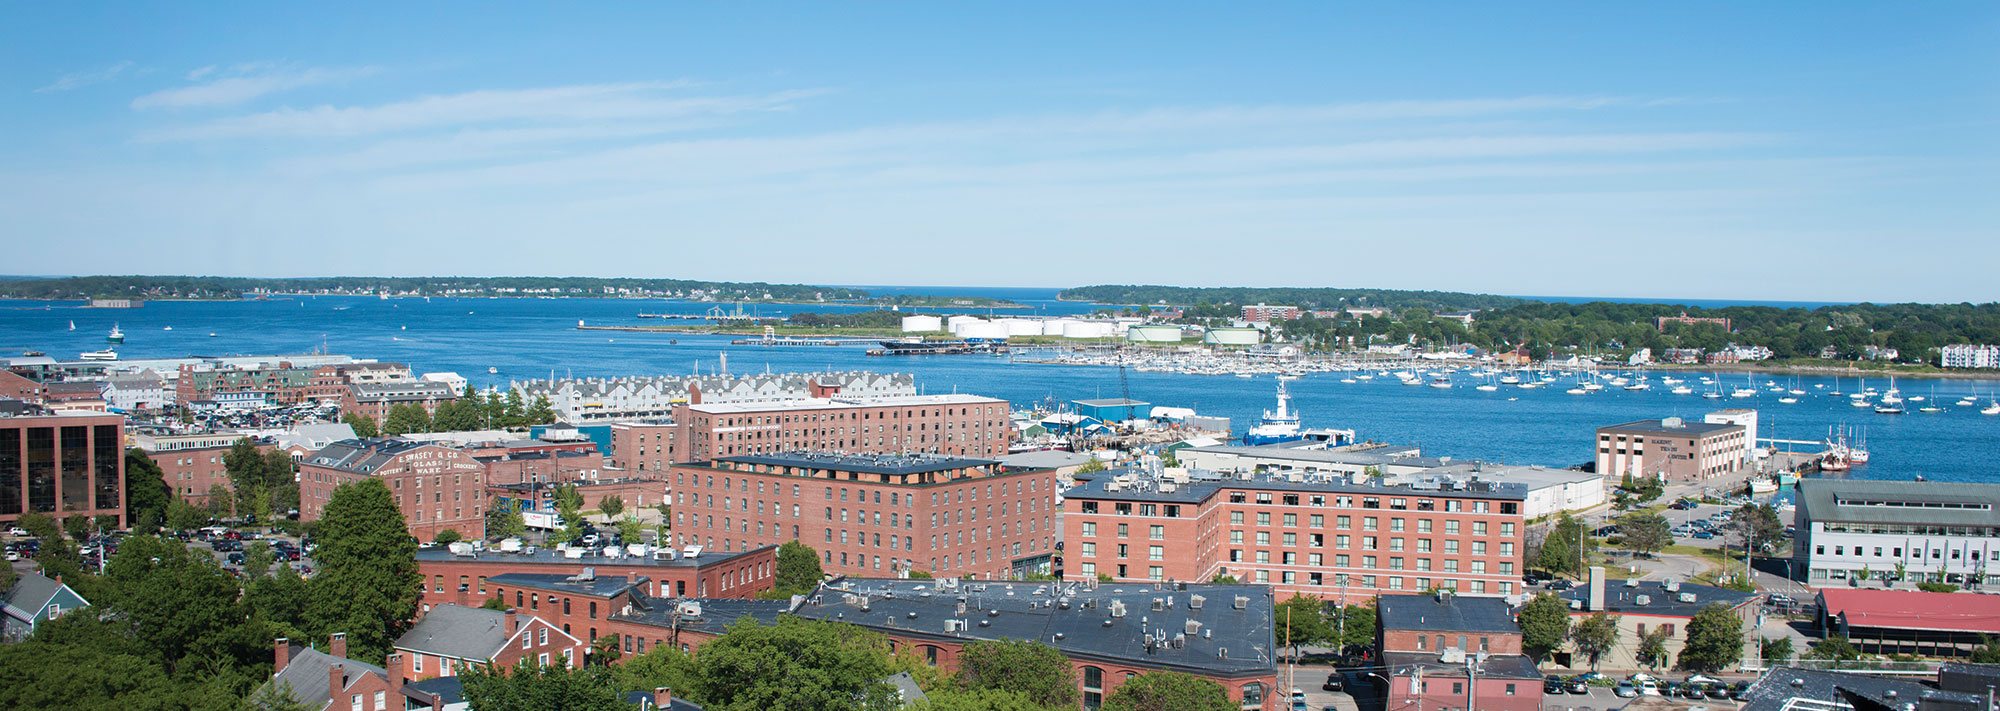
(78, 80)
(576, 105)
(244, 83)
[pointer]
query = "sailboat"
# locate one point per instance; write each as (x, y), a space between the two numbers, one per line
(1930, 405)
(1992, 408)
(72, 325)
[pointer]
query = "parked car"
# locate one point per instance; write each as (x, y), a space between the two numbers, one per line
(1577, 685)
(1552, 684)
(1717, 691)
(17, 531)
(1704, 535)
(1625, 690)
(1696, 692)
(1333, 683)
(1560, 584)
(1739, 690)
(1536, 577)
(235, 559)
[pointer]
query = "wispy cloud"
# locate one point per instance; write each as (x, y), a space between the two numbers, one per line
(78, 80)
(243, 83)
(564, 105)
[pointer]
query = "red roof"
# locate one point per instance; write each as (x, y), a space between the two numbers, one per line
(1914, 610)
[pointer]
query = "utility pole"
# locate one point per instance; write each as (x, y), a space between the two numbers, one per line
(1295, 648)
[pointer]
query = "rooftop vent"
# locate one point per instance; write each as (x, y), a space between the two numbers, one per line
(1195, 601)
(1242, 601)
(1117, 608)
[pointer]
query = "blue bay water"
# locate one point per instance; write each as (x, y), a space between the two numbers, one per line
(532, 338)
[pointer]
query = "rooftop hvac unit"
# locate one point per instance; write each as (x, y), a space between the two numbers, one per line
(1672, 585)
(1631, 582)
(589, 573)
(1195, 601)
(1117, 608)
(1159, 604)
(1576, 604)
(1192, 627)
(689, 608)
(1241, 602)
(1452, 655)
(1642, 600)
(1686, 597)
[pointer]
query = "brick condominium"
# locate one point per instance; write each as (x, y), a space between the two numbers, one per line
(953, 424)
(435, 486)
(1314, 535)
(873, 514)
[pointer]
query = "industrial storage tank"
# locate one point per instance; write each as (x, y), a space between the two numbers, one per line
(922, 324)
(1233, 337)
(1153, 333)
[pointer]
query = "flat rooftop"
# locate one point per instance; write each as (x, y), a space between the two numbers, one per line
(1686, 428)
(1384, 455)
(862, 463)
(1913, 609)
(1621, 598)
(1900, 502)
(551, 556)
(840, 403)
(1444, 613)
(595, 586)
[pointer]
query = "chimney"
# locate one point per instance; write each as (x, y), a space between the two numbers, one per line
(513, 621)
(663, 697)
(284, 656)
(1596, 588)
(393, 664)
(337, 646)
(336, 680)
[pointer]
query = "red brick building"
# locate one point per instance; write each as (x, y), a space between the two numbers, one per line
(1110, 633)
(192, 464)
(376, 399)
(956, 425)
(1265, 313)
(62, 465)
(329, 680)
(874, 514)
(1304, 534)
(1444, 652)
(645, 446)
(436, 487)
(467, 579)
(14, 386)
(449, 637)
(283, 384)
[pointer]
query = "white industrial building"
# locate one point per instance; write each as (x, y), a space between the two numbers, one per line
(1745, 417)
(1938, 531)
(1969, 355)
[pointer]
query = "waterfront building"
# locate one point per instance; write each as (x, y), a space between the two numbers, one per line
(953, 424)
(375, 399)
(1110, 633)
(1443, 651)
(62, 464)
(1936, 531)
(1643, 606)
(1741, 416)
(640, 398)
(75, 396)
(1661, 322)
(1671, 449)
(436, 487)
(874, 514)
(130, 392)
(283, 383)
(1968, 355)
(1307, 534)
(15, 386)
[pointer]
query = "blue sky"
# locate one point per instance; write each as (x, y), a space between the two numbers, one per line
(1811, 151)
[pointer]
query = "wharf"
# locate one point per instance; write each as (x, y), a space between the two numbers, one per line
(797, 341)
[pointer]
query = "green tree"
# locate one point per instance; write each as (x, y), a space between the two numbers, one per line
(220, 501)
(405, 419)
(1091, 467)
(512, 413)
(43, 675)
(449, 536)
(364, 426)
(459, 415)
(278, 696)
(504, 521)
(147, 495)
(1032, 669)
(1779, 651)
(1653, 648)
(1356, 623)
(183, 516)
(662, 665)
(798, 570)
(78, 526)
(245, 465)
(1644, 533)
(1834, 648)
(979, 700)
(1299, 620)
(611, 505)
(173, 601)
(532, 686)
(1544, 624)
(539, 413)
(368, 583)
(1169, 691)
(1595, 636)
(1714, 639)
(280, 599)
(1223, 579)
(281, 482)
(1560, 548)
(603, 650)
(257, 559)
(1757, 525)
(793, 664)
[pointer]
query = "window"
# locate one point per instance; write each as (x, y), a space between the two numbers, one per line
(1253, 696)
(417, 663)
(1093, 688)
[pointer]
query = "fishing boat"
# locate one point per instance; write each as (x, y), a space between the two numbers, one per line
(1442, 382)
(106, 354)
(116, 336)
(490, 370)
(1761, 485)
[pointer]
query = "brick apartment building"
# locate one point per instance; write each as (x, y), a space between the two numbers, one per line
(1300, 533)
(435, 486)
(191, 464)
(62, 464)
(1265, 313)
(874, 514)
(955, 425)
(1442, 651)
(1672, 448)
(283, 384)
(375, 399)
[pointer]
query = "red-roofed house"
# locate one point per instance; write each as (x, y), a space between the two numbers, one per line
(1882, 621)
